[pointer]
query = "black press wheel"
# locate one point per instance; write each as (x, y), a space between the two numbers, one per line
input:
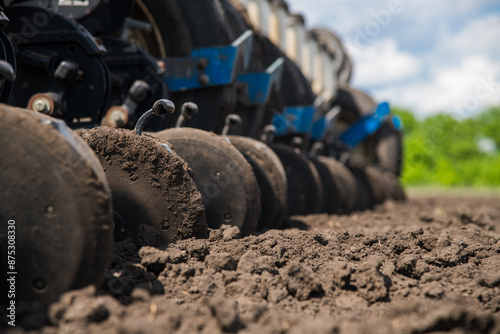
(54, 188)
(226, 181)
(339, 185)
(150, 185)
(364, 196)
(384, 147)
(305, 192)
(271, 178)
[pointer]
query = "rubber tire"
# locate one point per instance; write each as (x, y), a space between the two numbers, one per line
(214, 161)
(55, 190)
(344, 187)
(271, 178)
(331, 193)
(149, 184)
(364, 196)
(385, 146)
(305, 191)
(379, 186)
(397, 192)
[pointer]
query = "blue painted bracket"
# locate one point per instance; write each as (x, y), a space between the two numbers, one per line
(212, 66)
(297, 119)
(397, 122)
(365, 126)
(260, 84)
(321, 126)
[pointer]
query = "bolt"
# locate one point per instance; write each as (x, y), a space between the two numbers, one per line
(202, 63)
(139, 90)
(50, 210)
(204, 79)
(117, 118)
(42, 105)
(39, 284)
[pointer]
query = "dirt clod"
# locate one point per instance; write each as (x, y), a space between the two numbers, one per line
(381, 271)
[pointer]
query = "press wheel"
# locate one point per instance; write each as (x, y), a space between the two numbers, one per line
(55, 190)
(271, 178)
(305, 192)
(339, 185)
(225, 179)
(150, 185)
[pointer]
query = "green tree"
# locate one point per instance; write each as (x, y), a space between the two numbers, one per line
(442, 150)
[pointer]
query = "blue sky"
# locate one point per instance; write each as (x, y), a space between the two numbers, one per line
(427, 56)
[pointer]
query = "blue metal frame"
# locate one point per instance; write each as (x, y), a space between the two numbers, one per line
(365, 126)
(319, 129)
(298, 119)
(212, 66)
(260, 84)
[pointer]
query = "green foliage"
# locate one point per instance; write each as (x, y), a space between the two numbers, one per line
(443, 151)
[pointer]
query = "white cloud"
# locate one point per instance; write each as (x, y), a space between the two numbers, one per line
(430, 57)
(478, 36)
(459, 90)
(382, 63)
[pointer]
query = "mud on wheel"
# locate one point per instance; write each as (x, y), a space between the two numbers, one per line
(54, 188)
(225, 179)
(150, 185)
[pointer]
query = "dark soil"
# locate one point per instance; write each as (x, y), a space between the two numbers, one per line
(149, 185)
(431, 265)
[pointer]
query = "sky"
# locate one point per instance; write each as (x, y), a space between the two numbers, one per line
(424, 55)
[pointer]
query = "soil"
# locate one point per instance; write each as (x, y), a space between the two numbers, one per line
(149, 184)
(429, 265)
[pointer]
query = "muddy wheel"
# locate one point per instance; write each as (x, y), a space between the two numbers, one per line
(341, 185)
(331, 193)
(271, 178)
(379, 184)
(396, 191)
(149, 184)
(305, 192)
(384, 147)
(364, 196)
(226, 181)
(55, 190)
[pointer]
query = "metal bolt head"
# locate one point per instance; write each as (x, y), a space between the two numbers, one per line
(139, 90)
(117, 118)
(202, 63)
(50, 210)
(42, 105)
(203, 79)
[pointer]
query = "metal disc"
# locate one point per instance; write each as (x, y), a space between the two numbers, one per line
(150, 185)
(225, 179)
(305, 192)
(396, 191)
(379, 184)
(339, 185)
(55, 191)
(331, 195)
(271, 178)
(364, 196)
